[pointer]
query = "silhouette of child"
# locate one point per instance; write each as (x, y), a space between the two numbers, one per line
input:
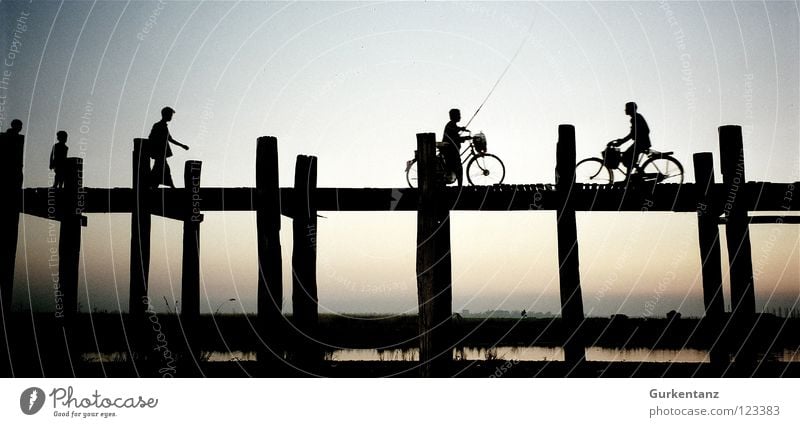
(16, 127)
(58, 158)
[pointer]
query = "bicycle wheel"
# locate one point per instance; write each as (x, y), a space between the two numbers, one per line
(485, 169)
(662, 169)
(411, 173)
(592, 171)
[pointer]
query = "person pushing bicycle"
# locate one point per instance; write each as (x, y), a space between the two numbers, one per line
(451, 145)
(640, 134)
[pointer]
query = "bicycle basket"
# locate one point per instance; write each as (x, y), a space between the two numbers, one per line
(479, 142)
(611, 157)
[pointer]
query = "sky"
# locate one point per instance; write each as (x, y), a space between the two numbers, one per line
(352, 83)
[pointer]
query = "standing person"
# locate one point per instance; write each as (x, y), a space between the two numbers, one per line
(16, 127)
(640, 134)
(159, 141)
(451, 145)
(58, 158)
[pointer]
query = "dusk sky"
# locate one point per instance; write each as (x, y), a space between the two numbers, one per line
(352, 83)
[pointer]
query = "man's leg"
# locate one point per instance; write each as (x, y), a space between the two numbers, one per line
(451, 159)
(628, 160)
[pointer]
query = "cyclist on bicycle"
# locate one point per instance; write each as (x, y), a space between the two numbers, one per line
(451, 145)
(640, 134)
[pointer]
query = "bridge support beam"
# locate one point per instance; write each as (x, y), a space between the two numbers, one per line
(70, 210)
(434, 275)
(569, 276)
(190, 263)
(138, 302)
(271, 323)
(305, 305)
(711, 264)
(737, 233)
(11, 188)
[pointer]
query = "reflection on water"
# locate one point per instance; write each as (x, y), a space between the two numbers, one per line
(597, 354)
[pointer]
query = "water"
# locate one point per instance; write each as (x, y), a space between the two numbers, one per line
(537, 353)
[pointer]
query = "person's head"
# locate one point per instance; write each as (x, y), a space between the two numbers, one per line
(630, 108)
(61, 136)
(166, 113)
(455, 115)
(16, 126)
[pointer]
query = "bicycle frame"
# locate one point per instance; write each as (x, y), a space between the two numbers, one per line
(469, 156)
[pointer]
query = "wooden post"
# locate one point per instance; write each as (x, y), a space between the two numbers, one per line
(190, 266)
(737, 229)
(568, 271)
(270, 269)
(70, 204)
(11, 188)
(708, 237)
(304, 257)
(434, 281)
(737, 233)
(69, 240)
(140, 243)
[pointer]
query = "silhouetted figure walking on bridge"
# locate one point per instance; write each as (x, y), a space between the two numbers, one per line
(451, 145)
(159, 141)
(640, 134)
(58, 158)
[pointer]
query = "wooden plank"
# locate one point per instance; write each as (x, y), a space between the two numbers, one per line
(267, 200)
(662, 198)
(568, 269)
(434, 282)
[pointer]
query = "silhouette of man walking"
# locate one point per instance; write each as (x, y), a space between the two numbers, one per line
(159, 141)
(640, 134)
(58, 158)
(451, 145)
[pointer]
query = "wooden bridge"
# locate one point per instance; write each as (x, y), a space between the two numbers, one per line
(728, 203)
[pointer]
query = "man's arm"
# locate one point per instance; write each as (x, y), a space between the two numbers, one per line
(625, 139)
(172, 140)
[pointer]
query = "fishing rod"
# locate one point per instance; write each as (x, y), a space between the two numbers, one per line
(519, 49)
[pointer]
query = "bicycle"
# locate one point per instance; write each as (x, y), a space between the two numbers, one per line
(482, 168)
(651, 167)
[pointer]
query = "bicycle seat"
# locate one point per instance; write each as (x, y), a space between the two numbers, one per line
(657, 153)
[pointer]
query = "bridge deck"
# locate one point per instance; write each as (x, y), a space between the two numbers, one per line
(658, 198)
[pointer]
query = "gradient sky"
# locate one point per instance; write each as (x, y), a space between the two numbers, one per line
(353, 83)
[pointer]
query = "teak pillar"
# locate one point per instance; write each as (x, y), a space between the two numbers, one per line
(304, 258)
(190, 264)
(70, 205)
(270, 322)
(69, 241)
(140, 245)
(434, 276)
(11, 188)
(737, 233)
(568, 271)
(710, 258)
